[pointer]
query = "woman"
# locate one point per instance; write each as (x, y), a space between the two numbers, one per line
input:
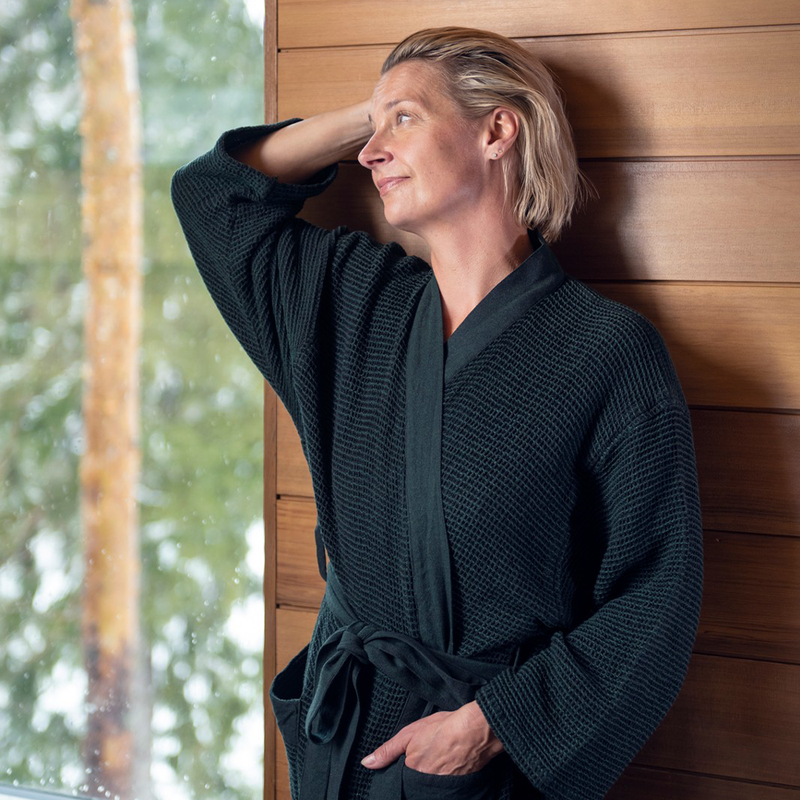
(502, 458)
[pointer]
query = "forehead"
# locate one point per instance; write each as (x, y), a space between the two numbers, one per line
(411, 80)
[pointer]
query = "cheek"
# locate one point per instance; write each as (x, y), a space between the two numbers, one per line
(446, 169)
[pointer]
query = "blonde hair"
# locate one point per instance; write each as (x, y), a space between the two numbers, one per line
(482, 70)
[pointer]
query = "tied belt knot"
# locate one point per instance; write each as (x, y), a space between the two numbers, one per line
(337, 669)
(441, 679)
(340, 662)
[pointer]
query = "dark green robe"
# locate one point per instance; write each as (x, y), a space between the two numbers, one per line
(511, 516)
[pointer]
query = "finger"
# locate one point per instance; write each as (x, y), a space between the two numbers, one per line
(391, 749)
(385, 754)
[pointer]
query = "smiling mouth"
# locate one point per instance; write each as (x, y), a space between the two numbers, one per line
(386, 186)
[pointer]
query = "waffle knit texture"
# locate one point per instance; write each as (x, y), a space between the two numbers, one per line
(568, 477)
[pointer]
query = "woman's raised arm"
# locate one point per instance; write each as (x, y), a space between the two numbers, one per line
(294, 153)
(277, 279)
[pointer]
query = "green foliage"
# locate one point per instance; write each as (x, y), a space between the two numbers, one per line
(200, 491)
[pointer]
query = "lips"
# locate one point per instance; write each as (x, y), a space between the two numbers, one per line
(387, 183)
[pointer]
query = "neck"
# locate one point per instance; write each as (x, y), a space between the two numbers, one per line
(469, 263)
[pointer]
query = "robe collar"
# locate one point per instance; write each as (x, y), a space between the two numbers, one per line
(426, 378)
(538, 275)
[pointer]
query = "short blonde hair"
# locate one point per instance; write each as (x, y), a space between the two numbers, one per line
(482, 70)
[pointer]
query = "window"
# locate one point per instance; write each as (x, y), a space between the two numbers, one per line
(197, 723)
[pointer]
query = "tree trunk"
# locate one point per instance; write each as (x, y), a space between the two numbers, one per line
(109, 468)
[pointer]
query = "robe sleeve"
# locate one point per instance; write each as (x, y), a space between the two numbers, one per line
(266, 270)
(574, 714)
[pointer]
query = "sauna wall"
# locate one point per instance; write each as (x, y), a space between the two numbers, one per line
(687, 121)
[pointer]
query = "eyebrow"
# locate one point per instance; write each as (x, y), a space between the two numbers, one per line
(393, 103)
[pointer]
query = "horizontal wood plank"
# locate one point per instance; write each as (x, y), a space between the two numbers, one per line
(682, 220)
(294, 628)
(749, 470)
(640, 783)
(733, 717)
(320, 23)
(751, 597)
(299, 581)
(736, 346)
(706, 94)
(687, 220)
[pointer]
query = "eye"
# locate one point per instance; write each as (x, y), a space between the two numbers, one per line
(402, 114)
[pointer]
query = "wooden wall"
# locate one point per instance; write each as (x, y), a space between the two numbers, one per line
(687, 121)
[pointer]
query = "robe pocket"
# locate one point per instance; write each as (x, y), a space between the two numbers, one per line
(284, 694)
(480, 785)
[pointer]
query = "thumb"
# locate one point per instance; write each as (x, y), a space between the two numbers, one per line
(388, 752)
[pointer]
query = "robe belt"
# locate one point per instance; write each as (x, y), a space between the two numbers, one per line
(442, 679)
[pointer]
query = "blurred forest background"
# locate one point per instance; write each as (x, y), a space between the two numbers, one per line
(200, 70)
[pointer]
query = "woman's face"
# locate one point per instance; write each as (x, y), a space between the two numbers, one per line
(424, 141)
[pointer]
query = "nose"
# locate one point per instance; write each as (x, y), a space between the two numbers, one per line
(373, 152)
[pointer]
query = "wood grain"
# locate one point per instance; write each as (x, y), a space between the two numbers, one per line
(293, 475)
(299, 582)
(269, 508)
(751, 597)
(734, 345)
(321, 23)
(705, 246)
(282, 789)
(749, 471)
(733, 717)
(687, 220)
(731, 93)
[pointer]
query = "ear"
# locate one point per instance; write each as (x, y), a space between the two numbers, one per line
(502, 128)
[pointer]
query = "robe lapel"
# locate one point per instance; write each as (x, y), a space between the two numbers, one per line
(430, 557)
(534, 278)
(426, 377)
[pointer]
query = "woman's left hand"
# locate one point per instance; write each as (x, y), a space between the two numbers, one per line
(445, 743)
